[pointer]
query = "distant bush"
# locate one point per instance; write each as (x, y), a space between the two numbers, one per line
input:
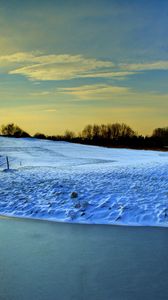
(12, 130)
(69, 135)
(162, 134)
(40, 136)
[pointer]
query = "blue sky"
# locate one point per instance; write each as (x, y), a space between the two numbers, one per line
(64, 64)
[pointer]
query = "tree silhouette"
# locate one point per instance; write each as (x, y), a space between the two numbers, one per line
(161, 133)
(13, 130)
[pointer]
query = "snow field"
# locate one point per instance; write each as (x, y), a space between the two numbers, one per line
(112, 186)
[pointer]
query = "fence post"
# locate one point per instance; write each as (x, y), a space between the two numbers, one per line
(7, 162)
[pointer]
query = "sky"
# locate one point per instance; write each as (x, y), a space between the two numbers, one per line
(66, 64)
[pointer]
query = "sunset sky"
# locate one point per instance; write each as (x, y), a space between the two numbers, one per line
(64, 64)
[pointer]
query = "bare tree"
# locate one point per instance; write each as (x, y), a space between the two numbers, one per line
(69, 135)
(87, 132)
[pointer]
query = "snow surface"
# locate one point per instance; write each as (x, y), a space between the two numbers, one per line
(113, 186)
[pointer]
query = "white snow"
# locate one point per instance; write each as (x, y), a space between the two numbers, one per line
(113, 186)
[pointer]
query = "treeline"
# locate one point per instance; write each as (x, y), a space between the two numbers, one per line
(109, 135)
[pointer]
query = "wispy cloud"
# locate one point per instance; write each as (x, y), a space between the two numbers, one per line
(40, 67)
(53, 67)
(95, 91)
(116, 74)
(67, 71)
(50, 110)
(157, 65)
(109, 92)
(56, 67)
(41, 93)
(86, 92)
(19, 57)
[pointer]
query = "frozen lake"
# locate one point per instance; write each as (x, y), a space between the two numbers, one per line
(42, 260)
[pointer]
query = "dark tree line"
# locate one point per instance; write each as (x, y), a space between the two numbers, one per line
(12, 130)
(109, 135)
(122, 135)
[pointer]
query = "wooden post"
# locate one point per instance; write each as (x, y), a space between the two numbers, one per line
(7, 162)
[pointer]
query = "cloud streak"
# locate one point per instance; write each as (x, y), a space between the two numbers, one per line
(95, 91)
(57, 67)
(110, 92)
(157, 65)
(54, 67)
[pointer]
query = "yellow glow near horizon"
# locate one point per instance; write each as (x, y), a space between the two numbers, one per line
(53, 122)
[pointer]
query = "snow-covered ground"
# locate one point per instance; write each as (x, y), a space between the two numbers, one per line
(77, 183)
